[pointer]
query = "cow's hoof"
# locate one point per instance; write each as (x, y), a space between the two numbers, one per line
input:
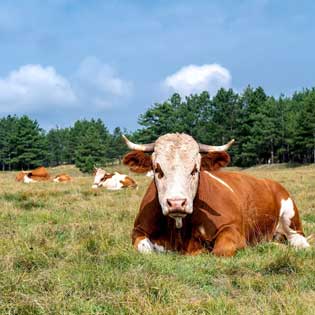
(145, 246)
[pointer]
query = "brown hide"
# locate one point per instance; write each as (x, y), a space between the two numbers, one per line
(20, 175)
(107, 176)
(63, 178)
(38, 174)
(199, 229)
(138, 161)
(213, 161)
(128, 182)
(222, 221)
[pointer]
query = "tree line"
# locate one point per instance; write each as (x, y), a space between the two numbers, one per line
(266, 129)
(88, 143)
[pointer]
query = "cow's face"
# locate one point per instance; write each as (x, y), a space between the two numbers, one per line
(176, 162)
(176, 165)
(99, 175)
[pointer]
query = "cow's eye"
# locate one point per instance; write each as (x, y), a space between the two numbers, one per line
(194, 171)
(158, 171)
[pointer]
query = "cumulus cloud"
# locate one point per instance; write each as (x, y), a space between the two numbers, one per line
(35, 88)
(32, 87)
(195, 79)
(102, 80)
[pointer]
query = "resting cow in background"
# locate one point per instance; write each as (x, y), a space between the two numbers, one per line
(38, 174)
(191, 206)
(112, 181)
(61, 178)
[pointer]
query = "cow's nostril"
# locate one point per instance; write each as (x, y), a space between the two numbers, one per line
(169, 203)
(184, 202)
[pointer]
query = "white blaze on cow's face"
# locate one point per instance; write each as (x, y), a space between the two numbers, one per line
(98, 177)
(176, 165)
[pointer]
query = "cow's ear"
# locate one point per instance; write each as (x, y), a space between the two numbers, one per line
(138, 161)
(212, 161)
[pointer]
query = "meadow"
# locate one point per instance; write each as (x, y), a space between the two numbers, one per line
(66, 249)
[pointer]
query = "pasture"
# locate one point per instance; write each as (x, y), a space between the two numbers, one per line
(66, 249)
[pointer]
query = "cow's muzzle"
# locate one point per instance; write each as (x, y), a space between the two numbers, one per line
(177, 210)
(177, 205)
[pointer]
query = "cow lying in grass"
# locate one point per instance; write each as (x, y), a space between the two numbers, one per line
(192, 206)
(112, 181)
(40, 174)
(62, 178)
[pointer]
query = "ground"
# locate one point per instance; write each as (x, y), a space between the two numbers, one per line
(65, 249)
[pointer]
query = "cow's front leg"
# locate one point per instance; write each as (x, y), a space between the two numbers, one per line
(195, 248)
(228, 242)
(144, 245)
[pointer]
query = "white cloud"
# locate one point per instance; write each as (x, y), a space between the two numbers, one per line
(195, 79)
(102, 78)
(33, 87)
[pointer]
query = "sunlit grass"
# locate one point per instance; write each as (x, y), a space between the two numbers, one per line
(65, 249)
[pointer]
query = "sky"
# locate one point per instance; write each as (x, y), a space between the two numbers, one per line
(64, 60)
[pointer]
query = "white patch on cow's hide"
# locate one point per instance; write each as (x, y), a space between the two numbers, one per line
(28, 179)
(145, 246)
(114, 183)
(220, 181)
(286, 214)
(150, 174)
(159, 248)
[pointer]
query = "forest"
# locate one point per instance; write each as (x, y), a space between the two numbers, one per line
(266, 129)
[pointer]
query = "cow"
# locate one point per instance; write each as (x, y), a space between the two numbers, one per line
(192, 206)
(62, 178)
(38, 174)
(112, 181)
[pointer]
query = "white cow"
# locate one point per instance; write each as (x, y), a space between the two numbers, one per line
(112, 181)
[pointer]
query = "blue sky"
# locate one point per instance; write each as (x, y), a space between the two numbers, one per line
(63, 60)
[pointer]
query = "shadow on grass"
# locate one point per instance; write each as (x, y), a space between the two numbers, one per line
(23, 201)
(285, 264)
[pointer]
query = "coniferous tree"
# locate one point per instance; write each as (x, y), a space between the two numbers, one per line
(92, 143)
(30, 144)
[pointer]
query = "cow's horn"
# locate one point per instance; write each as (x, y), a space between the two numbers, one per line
(149, 147)
(210, 148)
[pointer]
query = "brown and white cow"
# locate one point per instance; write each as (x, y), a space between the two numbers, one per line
(112, 181)
(192, 206)
(38, 174)
(62, 178)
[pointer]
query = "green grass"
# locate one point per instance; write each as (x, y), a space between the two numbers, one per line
(65, 249)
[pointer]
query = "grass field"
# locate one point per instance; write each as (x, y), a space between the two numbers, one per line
(65, 249)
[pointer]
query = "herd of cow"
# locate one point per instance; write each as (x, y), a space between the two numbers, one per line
(192, 206)
(112, 181)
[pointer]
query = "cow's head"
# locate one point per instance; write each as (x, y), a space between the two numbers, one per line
(100, 176)
(176, 161)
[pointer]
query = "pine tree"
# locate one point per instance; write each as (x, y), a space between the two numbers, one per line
(30, 144)
(92, 143)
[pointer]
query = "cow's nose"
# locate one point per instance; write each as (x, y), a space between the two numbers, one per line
(177, 204)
